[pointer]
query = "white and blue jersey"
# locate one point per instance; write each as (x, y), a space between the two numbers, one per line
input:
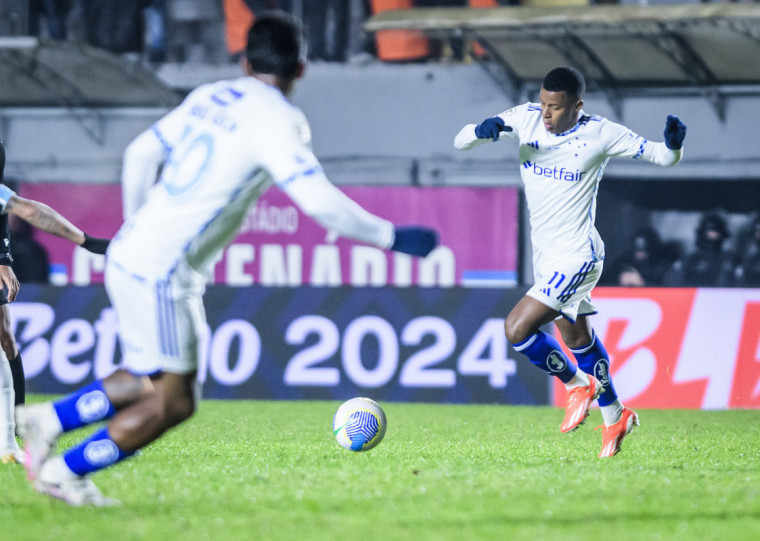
(561, 174)
(219, 151)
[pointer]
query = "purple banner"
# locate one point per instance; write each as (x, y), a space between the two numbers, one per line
(279, 246)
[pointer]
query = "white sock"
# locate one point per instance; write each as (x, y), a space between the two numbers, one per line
(7, 405)
(611, 413)
(56, 469)
(51, 424)
(580, 379)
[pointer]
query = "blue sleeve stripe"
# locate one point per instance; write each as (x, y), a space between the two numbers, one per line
(640, 152)
(306, 173)
(164, 142)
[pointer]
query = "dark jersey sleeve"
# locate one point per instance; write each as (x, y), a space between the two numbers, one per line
(5, 241)
(5, 236)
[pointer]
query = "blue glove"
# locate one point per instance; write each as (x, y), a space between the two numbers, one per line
(415, 240)
(675, 131)
(491, 128)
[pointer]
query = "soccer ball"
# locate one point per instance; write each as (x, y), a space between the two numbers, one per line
(359, 424)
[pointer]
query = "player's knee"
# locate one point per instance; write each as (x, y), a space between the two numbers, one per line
(575, 336)
(188, 409)
(180, 410)
(575, 342)
(8, 343)
(516, 329)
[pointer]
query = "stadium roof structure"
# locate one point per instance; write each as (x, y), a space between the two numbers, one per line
(623, 50)
(75, 76)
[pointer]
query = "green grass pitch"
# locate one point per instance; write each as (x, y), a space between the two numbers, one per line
(272, 471)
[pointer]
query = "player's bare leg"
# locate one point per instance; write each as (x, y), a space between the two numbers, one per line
(577, 334)
(124, 388)
(526, 318)
(522, 328)
(170, 402)
(141, 409)
(41, 425)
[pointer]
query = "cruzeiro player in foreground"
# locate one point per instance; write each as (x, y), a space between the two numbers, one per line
(563, 152)
(220, 150)
(45, 218)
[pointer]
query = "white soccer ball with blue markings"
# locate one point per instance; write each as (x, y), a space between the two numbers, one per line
(359, 424)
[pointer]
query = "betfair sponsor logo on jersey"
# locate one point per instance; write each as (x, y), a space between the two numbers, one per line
(555, 172)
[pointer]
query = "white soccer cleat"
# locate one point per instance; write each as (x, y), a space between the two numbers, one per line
(38, 442)
(75, 492)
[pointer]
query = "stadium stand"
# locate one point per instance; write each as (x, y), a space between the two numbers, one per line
(399, 45)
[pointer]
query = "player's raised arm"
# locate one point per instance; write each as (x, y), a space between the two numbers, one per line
(670, 152)
(49, 220)
(473, 135)
(43, 217)
(324, 202)
(625, 143)
(675, 132)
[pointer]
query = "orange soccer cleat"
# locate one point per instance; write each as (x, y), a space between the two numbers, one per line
(612, 436)
(579, 400)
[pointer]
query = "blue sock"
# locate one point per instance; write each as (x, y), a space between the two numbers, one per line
(544, 351)
(594, 359)
(95, 453)
(87, 405)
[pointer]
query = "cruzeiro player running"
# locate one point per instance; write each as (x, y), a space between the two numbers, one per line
(219, 151)
(563, 152)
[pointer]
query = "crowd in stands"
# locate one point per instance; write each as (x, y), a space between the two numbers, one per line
(713, 261)
(127, 26)
(161, 30)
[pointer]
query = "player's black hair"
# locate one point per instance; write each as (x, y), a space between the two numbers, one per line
(276, 45)
(566, 79)
(2, 160)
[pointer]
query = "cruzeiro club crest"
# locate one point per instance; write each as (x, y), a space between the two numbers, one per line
(556, 361)
(602, 372)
